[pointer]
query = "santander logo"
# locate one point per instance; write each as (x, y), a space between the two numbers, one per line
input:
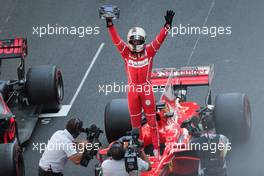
(11, 48)
(138, 64)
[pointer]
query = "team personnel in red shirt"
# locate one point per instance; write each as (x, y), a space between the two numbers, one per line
(138, 58)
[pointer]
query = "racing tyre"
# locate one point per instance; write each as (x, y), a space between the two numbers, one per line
(117, 119)
(11, 160)
(233, 116)
(45, 86)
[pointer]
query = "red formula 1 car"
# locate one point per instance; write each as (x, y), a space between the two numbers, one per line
(22, 100)
(182, 123)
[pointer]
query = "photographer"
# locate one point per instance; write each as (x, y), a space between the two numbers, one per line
(117, 163)
(210, 146)
(62, 147)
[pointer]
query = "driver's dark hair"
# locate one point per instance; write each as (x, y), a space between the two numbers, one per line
(74, 126)
(117, 151)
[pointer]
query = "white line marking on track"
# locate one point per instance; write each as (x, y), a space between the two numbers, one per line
(199, 36)
(7, 19)
(87, 73)
(65, 109)
(63, 112)
(45, 121)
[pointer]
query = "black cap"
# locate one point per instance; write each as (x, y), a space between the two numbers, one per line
(116, 151)
(74, 127)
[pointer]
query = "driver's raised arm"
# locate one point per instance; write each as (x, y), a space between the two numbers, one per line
(156, 43)
(118, 42)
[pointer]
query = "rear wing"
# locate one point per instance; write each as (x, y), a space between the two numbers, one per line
(13, 48)
(185, 76)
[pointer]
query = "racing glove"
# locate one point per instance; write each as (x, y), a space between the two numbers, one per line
(169, 17)
(109, 22)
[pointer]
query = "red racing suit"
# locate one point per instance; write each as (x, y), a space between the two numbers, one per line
(138, 68)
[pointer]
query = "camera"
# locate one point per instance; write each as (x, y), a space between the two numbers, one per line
(132, 151)
(131, 160)
(92, 135)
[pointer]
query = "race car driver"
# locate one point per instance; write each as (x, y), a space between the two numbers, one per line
(138, 57)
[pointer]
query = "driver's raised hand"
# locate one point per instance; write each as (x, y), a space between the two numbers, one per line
(168, 18)
(109, 22)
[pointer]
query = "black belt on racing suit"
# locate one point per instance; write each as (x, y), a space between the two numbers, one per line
(49, 172)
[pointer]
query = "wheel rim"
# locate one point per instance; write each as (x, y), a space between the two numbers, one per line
(248, 114)
(60, 90)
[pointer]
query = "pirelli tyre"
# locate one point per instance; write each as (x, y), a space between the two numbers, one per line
(232, 116)
(11, 160)
(117, 119)
(44, 86)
